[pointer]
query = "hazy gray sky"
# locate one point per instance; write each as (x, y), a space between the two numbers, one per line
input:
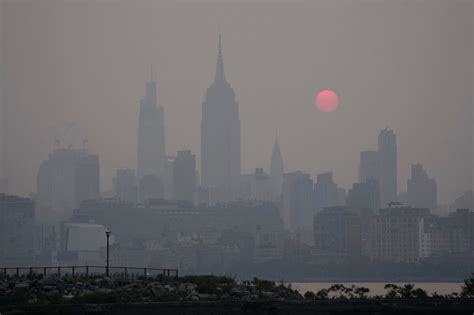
(402, 64)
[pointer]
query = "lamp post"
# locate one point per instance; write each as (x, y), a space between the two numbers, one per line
(107, 233)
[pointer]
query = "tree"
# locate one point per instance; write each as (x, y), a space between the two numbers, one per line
(468, 287)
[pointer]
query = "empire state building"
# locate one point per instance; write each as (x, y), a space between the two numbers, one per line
(220, 138)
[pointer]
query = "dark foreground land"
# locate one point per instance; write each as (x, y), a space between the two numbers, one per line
(464, 307)
(36, 294)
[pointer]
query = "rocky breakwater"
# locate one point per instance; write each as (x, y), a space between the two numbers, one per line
(36, 289)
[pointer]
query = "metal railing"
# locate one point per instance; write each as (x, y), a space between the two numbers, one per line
(88, 271)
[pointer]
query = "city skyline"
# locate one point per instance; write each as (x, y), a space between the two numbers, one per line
(337, 145)
(319, 146)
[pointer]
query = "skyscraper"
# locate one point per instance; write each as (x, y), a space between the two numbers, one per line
(421, 190)
(3, 140)
(387, 152)
(124, 184)
(368, 166)
(297, 202)
(67, 178)
(364, 196)
(220, 138)
(17, 226)
(276, 171)
(184, 176)
(151, 137)
(326, 192)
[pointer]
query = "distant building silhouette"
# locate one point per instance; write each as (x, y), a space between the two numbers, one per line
(64, 180)
(17, 222)
(465, 201)
(168, 178)
(276, 172)
(3, 132)
(326, 192)
(220, 138)
(387, 177)
(184, 176)
(337, 230)
(368, 166)
(422, 191)
(398, 235)
(364, 196)
(151, 139)
(256, 186)
(297, 203)
(125, 185)
(150, 187)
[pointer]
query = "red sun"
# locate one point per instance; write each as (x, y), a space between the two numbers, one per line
(327, 101)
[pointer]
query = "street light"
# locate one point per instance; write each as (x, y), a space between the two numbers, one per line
(107, 233)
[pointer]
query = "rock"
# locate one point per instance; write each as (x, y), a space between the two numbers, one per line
(268, 295)
(156, 291)
(85, 292)
(104, 290)
(48, 287)
(204, 296)
(22, 285)
(188, 287)
(236, 291)
(194, 298)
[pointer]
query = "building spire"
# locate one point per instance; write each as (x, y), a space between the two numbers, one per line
(151, 73)
(220, 61)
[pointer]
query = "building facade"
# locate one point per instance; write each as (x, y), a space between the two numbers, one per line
(422, 191)
(17, 222)
(125, 185)
(397, 235)
(326, 192)
(387, 161)
(368, 166)
(151, 151)
(338, 230)
(68, 177)
(256, 186)
(364, 196)
(184, 176)
(298, 204)
(220, 138)
(276, 172)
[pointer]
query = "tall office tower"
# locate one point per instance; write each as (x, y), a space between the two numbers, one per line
(364, 196)
(87, 178)
(151, 140)
(67, 178)
(326, 192)
(184, 176)
(421, 190)
(297, 202)
(368, 166)
(3, 140)
(276, 172)
(220, 138)
(17, 226)
(168, 184)
(125, 186)
(256, 186)
(387, 149)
